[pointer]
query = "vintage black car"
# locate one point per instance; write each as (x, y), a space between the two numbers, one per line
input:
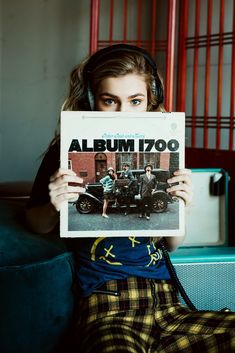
(92, 198)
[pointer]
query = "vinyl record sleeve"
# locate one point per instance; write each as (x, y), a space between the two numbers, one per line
(93, 142)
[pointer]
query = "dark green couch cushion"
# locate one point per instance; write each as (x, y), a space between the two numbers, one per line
(19, 246)
(36, 286)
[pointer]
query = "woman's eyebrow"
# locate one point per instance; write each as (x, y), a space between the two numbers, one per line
(114, 96)
(107, 94)
(137, 95)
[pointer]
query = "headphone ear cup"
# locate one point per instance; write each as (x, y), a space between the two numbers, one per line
(85, 101)
(158, 89)
(89, 101)
(90, 98)
(160, 96)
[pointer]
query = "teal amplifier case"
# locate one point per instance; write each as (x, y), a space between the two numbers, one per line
(207, 275)
(204, 263)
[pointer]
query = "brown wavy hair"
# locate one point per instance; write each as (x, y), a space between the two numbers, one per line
(114, 65)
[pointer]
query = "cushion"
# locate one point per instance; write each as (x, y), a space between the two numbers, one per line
(19, 246)
(36, 286)
(14, 189)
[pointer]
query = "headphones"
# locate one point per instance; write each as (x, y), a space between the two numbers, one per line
(104, 53)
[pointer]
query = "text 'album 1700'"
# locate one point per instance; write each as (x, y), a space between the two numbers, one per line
(124, 161)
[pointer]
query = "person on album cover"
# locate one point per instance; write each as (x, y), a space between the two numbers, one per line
(127, 299)
(108, 187)
(127, 174)
(148, 183)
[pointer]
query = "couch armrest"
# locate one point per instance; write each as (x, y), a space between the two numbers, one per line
(15, 189)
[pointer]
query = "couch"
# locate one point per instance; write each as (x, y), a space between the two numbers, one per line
(37, 282)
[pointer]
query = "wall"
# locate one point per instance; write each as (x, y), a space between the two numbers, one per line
(227, 59)
(40, 41)
(1, 45)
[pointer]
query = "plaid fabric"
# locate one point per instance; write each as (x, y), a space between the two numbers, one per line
(143, 315)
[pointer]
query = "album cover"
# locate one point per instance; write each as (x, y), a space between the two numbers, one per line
(124, 160)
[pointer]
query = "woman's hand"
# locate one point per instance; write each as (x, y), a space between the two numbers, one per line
(62, 188)
(183, 189)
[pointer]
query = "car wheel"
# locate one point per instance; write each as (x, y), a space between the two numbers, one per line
(84, 205)
(159, 204)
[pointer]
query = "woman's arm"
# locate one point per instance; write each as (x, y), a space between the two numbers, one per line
(172, 243)
(43, 218)
(184, 190)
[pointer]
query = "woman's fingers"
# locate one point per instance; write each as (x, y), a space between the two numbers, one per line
(63, 175)
(58, 198)
(66, 190)
(64, 180)
(60, 188)
(181, 175)
(183, 187)
(187, 197)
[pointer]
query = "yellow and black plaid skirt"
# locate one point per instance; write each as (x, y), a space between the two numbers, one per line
(138, 315)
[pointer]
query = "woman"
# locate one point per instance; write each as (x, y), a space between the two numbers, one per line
(127, 301)
(108, 186)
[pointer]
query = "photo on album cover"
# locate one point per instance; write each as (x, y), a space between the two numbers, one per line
(124, 160)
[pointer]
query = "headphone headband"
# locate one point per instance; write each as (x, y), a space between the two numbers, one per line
(102, 53)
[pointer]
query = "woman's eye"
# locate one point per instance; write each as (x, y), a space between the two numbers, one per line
(109, 101)
(135, 101)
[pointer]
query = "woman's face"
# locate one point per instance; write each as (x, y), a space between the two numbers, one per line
(123, 94)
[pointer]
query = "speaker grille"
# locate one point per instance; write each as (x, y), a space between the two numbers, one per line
(210, 286)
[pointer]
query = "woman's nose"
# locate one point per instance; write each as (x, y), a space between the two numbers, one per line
(122, 107)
